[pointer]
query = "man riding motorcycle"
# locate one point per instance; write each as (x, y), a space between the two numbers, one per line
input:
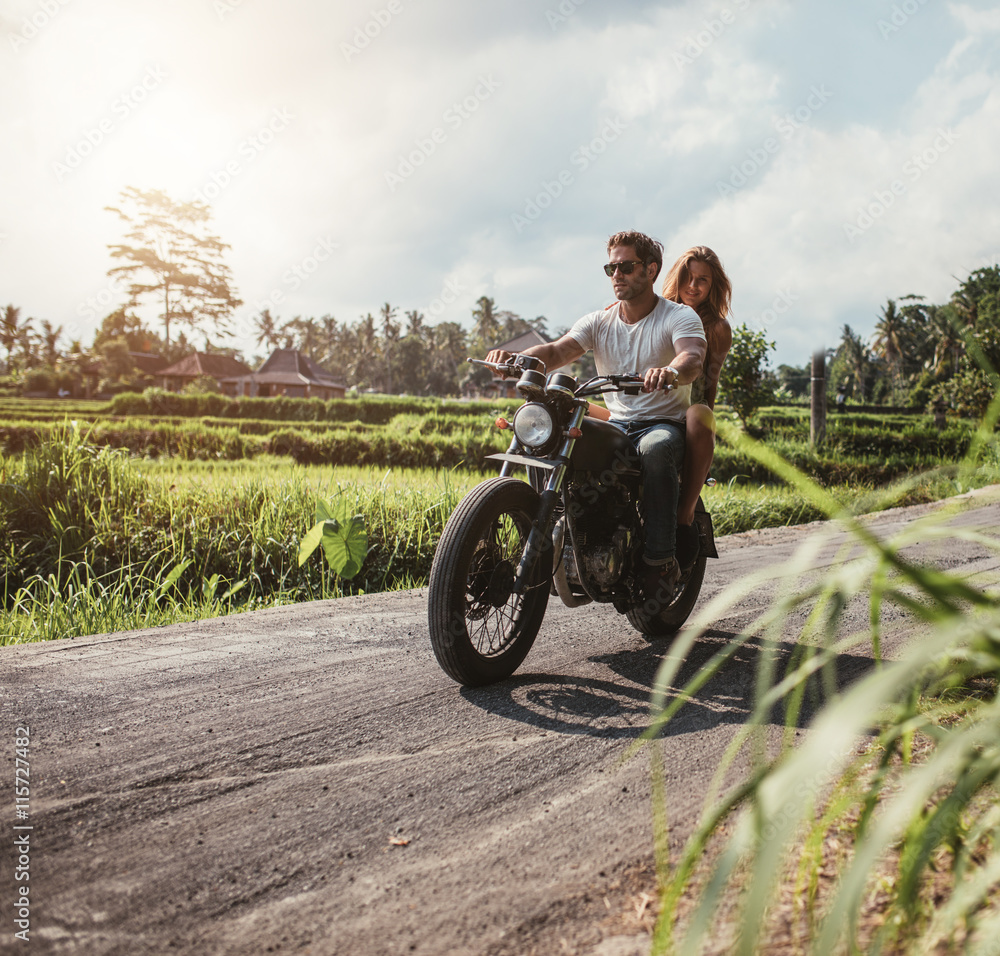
(665, 341)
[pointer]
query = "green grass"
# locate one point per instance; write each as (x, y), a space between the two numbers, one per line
(861, 449)
(745, 505)
(404, 441)
(105, 531)
(75, 511)
(911, 823)
(80, 603)
(93, 541)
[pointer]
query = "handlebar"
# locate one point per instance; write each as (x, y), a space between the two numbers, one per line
(518, 363)
(628, 382)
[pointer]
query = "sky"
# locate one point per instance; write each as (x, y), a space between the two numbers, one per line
(426, 153)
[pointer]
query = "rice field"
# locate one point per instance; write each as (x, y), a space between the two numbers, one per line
(99, 536)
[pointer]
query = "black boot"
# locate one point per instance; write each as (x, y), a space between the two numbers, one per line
(660, 580)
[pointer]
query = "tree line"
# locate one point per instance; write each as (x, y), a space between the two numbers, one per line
(391, 352)
(172, 265)
(399, 354)
(920, 354)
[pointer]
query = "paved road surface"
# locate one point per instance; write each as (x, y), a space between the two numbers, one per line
(305, 780)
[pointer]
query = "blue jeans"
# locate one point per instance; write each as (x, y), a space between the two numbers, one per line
(661, 450)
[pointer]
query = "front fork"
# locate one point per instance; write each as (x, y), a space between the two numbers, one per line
(541, 528)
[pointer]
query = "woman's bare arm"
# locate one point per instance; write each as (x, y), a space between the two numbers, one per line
(718, 349)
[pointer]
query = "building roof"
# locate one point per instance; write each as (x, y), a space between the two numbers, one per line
(205, 363)
(147, 362)
(291, 367)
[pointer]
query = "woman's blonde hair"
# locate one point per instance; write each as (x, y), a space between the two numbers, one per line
(719, 296)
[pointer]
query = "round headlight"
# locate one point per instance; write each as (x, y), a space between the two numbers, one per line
(533, 425)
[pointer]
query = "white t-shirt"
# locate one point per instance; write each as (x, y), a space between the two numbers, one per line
(649, 343)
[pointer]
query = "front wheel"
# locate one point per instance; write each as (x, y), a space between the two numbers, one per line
(480, 629)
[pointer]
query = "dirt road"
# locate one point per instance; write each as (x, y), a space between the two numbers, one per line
(306, 780)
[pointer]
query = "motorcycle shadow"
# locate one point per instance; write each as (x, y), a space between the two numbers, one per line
(620, 708)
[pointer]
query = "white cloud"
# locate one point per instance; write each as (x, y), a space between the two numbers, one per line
(575, 116)
(973, 20)
(910, 192)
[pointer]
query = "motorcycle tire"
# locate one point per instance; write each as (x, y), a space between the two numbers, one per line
(656, 620)
(480, 630)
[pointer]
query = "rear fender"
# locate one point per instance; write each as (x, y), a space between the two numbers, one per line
(706, 533)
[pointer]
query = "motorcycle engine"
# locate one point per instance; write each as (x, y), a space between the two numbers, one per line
(604, 563)
(601, 536)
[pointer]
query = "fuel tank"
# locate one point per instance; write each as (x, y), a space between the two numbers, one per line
(603, 446)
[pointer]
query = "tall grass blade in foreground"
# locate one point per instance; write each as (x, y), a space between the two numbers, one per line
(901, 765)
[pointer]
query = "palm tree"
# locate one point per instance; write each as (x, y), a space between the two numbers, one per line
(27, 340)
(303, 335)
(855, 355)
(944, 326)
(415, 323)
(331, 352)
(50, 339)
(362, 363)
(448, 355)
(485, 324)
(888, 342)
(10, 330)
(978, 294)
(390, 339)
(267, 329)
(450, 341)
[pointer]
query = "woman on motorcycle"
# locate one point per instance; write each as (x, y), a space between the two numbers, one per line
(697, 279)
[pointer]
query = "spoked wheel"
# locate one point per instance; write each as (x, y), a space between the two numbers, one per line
(480, 629)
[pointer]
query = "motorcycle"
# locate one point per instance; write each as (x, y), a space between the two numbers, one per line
(573, 530)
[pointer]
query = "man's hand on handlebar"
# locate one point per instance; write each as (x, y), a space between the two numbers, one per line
(510, 363)
(657, 378)
(500, 357)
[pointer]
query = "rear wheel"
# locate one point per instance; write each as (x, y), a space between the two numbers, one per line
(667, 615)
(480, 629)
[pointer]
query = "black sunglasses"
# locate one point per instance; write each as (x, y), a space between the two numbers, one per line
(625, 267)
